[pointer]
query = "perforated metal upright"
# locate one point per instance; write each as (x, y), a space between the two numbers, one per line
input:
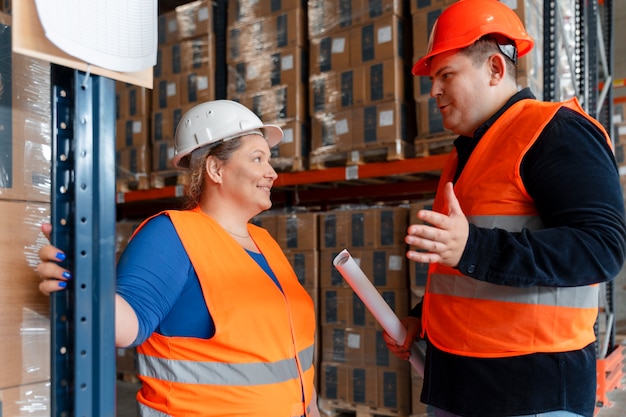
(83, 219)
(592, 71)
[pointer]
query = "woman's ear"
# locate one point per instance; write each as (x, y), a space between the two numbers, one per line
(213, 169)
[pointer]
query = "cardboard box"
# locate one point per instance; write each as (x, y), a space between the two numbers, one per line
(165, 122)
(378, 40)
(425, 5)
(297, 231)
(328, 16)
(268, 33)
(394, 389)
(197, 87)
(334, 381)
(343, 344)
(30, 400)
(423, 21)
(292, 152)
(334, 230)
(335, 91)
(133, 161)
(386, 268)
(166, 93)
(278, 103)
(330, 53)
(335, 306)
(132, 100)
(285, 67)
(25, 123)
(194, 19)
(132, 132)
(24, 322)
(305, 264)
(364, 385)
(387, 123)
(161, 155)
(331, 131)
(429, 118)
(385, 80)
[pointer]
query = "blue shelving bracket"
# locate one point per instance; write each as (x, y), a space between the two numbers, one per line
(83, 375)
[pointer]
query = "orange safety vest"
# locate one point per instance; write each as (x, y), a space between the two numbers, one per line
(260, 360)
(468, 317)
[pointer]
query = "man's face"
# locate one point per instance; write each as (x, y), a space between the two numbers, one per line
(462, 91)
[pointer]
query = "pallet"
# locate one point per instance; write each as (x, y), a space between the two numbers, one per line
(338, 408)
(134, 183)
(393, 151)
(160, 179)
(285, 164)
(434, 145)
(128, 377)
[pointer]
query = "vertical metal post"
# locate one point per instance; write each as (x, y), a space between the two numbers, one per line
(549, 50)
(83, 219)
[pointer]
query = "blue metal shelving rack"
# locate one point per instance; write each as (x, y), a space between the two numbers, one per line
(83, 219)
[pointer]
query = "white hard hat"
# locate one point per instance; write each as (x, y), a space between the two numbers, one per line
(215, 121)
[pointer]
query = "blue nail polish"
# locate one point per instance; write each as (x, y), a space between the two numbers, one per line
(60, 256)
(67, 275)
(62, 284)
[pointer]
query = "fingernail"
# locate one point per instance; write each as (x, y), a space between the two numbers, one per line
(60, 256)
(67, 275)
(62, 284)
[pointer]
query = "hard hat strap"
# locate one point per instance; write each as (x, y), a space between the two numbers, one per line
(505, 45)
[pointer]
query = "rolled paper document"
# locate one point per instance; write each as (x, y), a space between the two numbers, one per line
(376, 304)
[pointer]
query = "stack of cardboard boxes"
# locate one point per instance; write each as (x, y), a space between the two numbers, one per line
(183, 77)
(25, 150)
(356, 367)
(359, 78)
(267, 54)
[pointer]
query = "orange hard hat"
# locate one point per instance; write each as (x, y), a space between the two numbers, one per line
(466, 21)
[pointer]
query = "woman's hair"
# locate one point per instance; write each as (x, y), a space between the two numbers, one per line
(486, 46)
(197, 166)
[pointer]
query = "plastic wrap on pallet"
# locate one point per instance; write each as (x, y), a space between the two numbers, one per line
(25, 181)
(24, 123)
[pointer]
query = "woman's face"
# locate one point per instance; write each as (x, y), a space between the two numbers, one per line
(248, 175)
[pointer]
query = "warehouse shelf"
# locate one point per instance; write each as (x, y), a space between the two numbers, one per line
(405, 179)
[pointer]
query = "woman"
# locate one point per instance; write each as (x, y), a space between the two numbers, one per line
(221, 324)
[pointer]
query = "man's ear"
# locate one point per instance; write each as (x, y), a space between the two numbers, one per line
(497, 68)
(213, 169)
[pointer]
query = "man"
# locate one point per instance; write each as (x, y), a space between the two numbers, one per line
(527, 221)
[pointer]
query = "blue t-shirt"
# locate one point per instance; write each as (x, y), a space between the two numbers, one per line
(156, 277)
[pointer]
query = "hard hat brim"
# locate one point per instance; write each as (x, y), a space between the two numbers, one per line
(272, 133)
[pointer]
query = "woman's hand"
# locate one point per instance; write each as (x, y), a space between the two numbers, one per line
(54, 276)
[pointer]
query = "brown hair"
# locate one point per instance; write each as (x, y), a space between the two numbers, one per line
(222, 150)
(480, 50)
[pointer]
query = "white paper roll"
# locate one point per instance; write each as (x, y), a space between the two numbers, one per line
(376, 304)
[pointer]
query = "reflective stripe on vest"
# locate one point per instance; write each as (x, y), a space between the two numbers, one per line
(210, 373)
(145, 411)
(462, 286)
(465, 316)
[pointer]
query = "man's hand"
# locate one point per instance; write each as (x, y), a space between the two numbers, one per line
(443, 237)
(413, 327)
